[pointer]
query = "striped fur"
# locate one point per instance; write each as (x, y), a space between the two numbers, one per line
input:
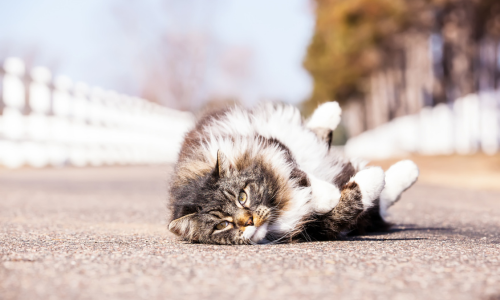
(292, 180)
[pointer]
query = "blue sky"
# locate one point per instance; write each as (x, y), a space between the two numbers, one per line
(87, 42)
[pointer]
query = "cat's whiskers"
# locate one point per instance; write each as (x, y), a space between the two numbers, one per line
(276, 241)
(290, 233)
(252, 242)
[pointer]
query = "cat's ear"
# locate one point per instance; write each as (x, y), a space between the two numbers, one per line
(223, 166)
(184, 226)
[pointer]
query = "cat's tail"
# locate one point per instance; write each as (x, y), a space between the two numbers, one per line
(398, 178)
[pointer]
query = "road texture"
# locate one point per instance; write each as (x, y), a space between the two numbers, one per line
(101, 234)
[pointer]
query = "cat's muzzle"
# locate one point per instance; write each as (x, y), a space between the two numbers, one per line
(256, 234)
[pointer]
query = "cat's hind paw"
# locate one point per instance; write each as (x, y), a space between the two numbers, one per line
(327, 115)
(398, 178)
(371, 182)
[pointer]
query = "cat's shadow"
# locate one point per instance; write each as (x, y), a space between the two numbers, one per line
(397, 229)
(384, 239)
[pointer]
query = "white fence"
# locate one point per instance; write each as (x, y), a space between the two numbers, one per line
(61, 123)
(466, 126)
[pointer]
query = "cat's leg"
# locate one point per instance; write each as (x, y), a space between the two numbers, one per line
(398, 178)
(371, 182)
(358, 196)
(324, 120)
(327, 196)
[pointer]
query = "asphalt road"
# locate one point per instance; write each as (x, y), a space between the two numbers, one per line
(101, 234)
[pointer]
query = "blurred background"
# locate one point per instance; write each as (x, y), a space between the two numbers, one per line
(181, 54)
(96, 96)
(119, 82)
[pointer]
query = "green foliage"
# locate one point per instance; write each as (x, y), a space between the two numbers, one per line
(355, 37)
(347, 45)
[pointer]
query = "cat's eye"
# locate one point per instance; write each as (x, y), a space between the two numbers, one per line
(222, 225)
(242, 197)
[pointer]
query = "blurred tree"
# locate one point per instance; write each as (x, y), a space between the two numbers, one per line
(386, 58)
(347, 45)
(466, 27)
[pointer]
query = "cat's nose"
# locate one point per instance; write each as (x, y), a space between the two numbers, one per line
(249, 222)
(244, 218)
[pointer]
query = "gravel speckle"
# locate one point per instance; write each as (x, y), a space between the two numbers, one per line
(101, 234)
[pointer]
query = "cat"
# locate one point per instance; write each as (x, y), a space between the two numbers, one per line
(266, 176)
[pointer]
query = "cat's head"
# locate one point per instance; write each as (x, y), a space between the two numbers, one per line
(232, 204)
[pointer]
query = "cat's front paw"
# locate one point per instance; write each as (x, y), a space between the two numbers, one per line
(371, 182)
(325, 195)
(327, 115)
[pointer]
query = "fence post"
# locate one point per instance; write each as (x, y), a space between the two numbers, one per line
(426, 131)
(37, 130)
(14, 98)
(467, 120)
(442, 122)
(96, 127)
(489, 122)
(79, 137)
(59, 124)
(39, 104)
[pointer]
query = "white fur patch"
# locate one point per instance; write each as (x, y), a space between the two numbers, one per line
(398, 178)
(327, 115)
(358, 163)
(371, 182)
(285, 124)
(256, 234)
(249, 231)
(325, 196)
(180, 226)
(298, 207)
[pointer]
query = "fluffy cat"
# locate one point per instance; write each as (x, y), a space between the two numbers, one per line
(264, 175)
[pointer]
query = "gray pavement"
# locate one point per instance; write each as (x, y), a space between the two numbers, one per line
(101, 234)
